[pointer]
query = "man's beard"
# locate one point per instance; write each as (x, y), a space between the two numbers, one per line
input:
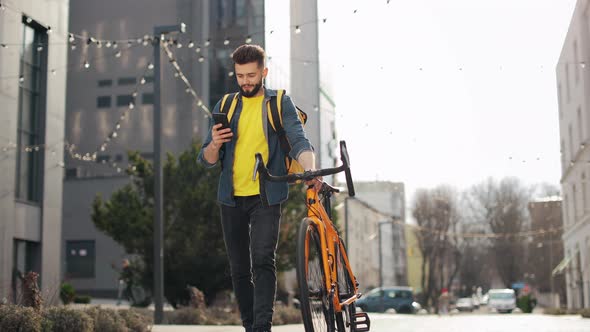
(251, 93)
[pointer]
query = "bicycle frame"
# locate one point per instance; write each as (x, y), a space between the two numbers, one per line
(328, 240)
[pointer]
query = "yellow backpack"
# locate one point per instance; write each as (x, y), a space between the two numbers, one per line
(275, 118)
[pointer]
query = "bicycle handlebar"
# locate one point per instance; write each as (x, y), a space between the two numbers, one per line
(261, 169)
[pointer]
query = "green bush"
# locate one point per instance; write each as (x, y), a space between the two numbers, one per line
(16, 318)
(136, 321)
(286, 315)
(524, 302)
(67, 294)
(62, 319)
(84, 299)
(107, 320)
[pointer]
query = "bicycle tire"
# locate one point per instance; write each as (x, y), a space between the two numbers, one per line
(316, 304)
(345, 318)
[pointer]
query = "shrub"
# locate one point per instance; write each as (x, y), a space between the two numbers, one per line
(67, 294)
(84, 299)
(16, 318)
(107, 320)
(286, 315)
(136, 321)
(188, 316)
(62, 319)
(555, 311)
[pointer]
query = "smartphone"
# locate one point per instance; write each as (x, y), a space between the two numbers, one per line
(221, 118)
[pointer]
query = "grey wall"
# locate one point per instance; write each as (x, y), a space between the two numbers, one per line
(39, 223)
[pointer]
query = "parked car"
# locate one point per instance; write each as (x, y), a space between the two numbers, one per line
(399, 298)
(465, 304)
(502, 300)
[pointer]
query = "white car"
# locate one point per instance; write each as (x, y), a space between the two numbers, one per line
(465, 304)
(502, 300)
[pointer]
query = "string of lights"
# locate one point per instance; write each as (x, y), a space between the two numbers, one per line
(114, 133)
(180, 75)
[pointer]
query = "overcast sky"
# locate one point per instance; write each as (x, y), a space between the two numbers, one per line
(454, 91)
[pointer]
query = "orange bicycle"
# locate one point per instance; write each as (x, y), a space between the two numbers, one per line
(327, 287)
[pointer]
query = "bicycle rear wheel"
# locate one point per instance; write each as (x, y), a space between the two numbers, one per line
(345, 318)
(317, 307)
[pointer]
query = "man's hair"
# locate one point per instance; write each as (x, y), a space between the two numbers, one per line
(249, 53)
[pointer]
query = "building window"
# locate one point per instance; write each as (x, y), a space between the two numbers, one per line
(31, 112)
(103, 102)
(127, 81)
(576, 63)
(574, 204)
(580, 126)
(124, 100)
(571, 142)
(103, 158)
(567, 83)
(147, 98)
(559, 101)
(80, 259)
(105, 83)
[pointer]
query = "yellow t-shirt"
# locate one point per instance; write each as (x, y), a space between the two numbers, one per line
(250, 140)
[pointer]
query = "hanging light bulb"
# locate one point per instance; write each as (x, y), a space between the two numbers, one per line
(73, 47)
(230, 74)
(176, 74)
(208, 42)
(118, 126)
(200, 103)
(39, 48)
(201, 58)
(71, 38)
(115, 134)
(49, 30)
(108, 44)
(21, 79)
(226, 41)
(118, 54)
(150, 66)
(102, 148)
(178, 44)
(142, 81)
(98, 44)
(248, 40)
(29, 20)
(86, 64)
(198, 50)
(297, 30)
(187, 90)
(131, 105)
(190, 44)
(53, 71)
(134, 94)
(115, 44)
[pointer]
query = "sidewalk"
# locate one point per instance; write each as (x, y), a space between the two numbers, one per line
(223, 328)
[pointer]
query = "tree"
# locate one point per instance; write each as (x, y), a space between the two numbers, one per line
(193, 240)
(194, 252)
(503, 207)
(436, 214)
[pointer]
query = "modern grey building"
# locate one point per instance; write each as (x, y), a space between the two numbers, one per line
(573, 89)
(99, 95)
(33, 63)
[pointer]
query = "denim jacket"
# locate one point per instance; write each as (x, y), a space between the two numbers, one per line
(276, 192)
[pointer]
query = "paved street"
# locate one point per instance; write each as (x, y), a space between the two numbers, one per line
(432, 323)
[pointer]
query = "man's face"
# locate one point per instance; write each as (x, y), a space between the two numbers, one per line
(250, 77)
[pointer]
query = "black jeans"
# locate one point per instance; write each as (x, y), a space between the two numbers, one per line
(251, 232)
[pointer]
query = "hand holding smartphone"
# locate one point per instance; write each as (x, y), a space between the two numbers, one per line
(221, 118)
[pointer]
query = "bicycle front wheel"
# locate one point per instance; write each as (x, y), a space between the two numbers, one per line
(317, 307)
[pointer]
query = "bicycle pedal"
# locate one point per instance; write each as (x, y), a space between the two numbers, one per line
(361, 322)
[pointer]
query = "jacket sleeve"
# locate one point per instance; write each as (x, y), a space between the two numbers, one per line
(294, 129)
(200, 157)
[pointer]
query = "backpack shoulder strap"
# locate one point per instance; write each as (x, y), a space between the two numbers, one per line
(275, 117)
(228, 104)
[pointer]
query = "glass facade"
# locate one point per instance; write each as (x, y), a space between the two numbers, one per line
(31, 109)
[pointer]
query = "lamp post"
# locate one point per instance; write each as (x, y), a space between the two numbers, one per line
(159, 31)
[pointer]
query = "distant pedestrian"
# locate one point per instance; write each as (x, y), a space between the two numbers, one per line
(125, 282)
(443, 302)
